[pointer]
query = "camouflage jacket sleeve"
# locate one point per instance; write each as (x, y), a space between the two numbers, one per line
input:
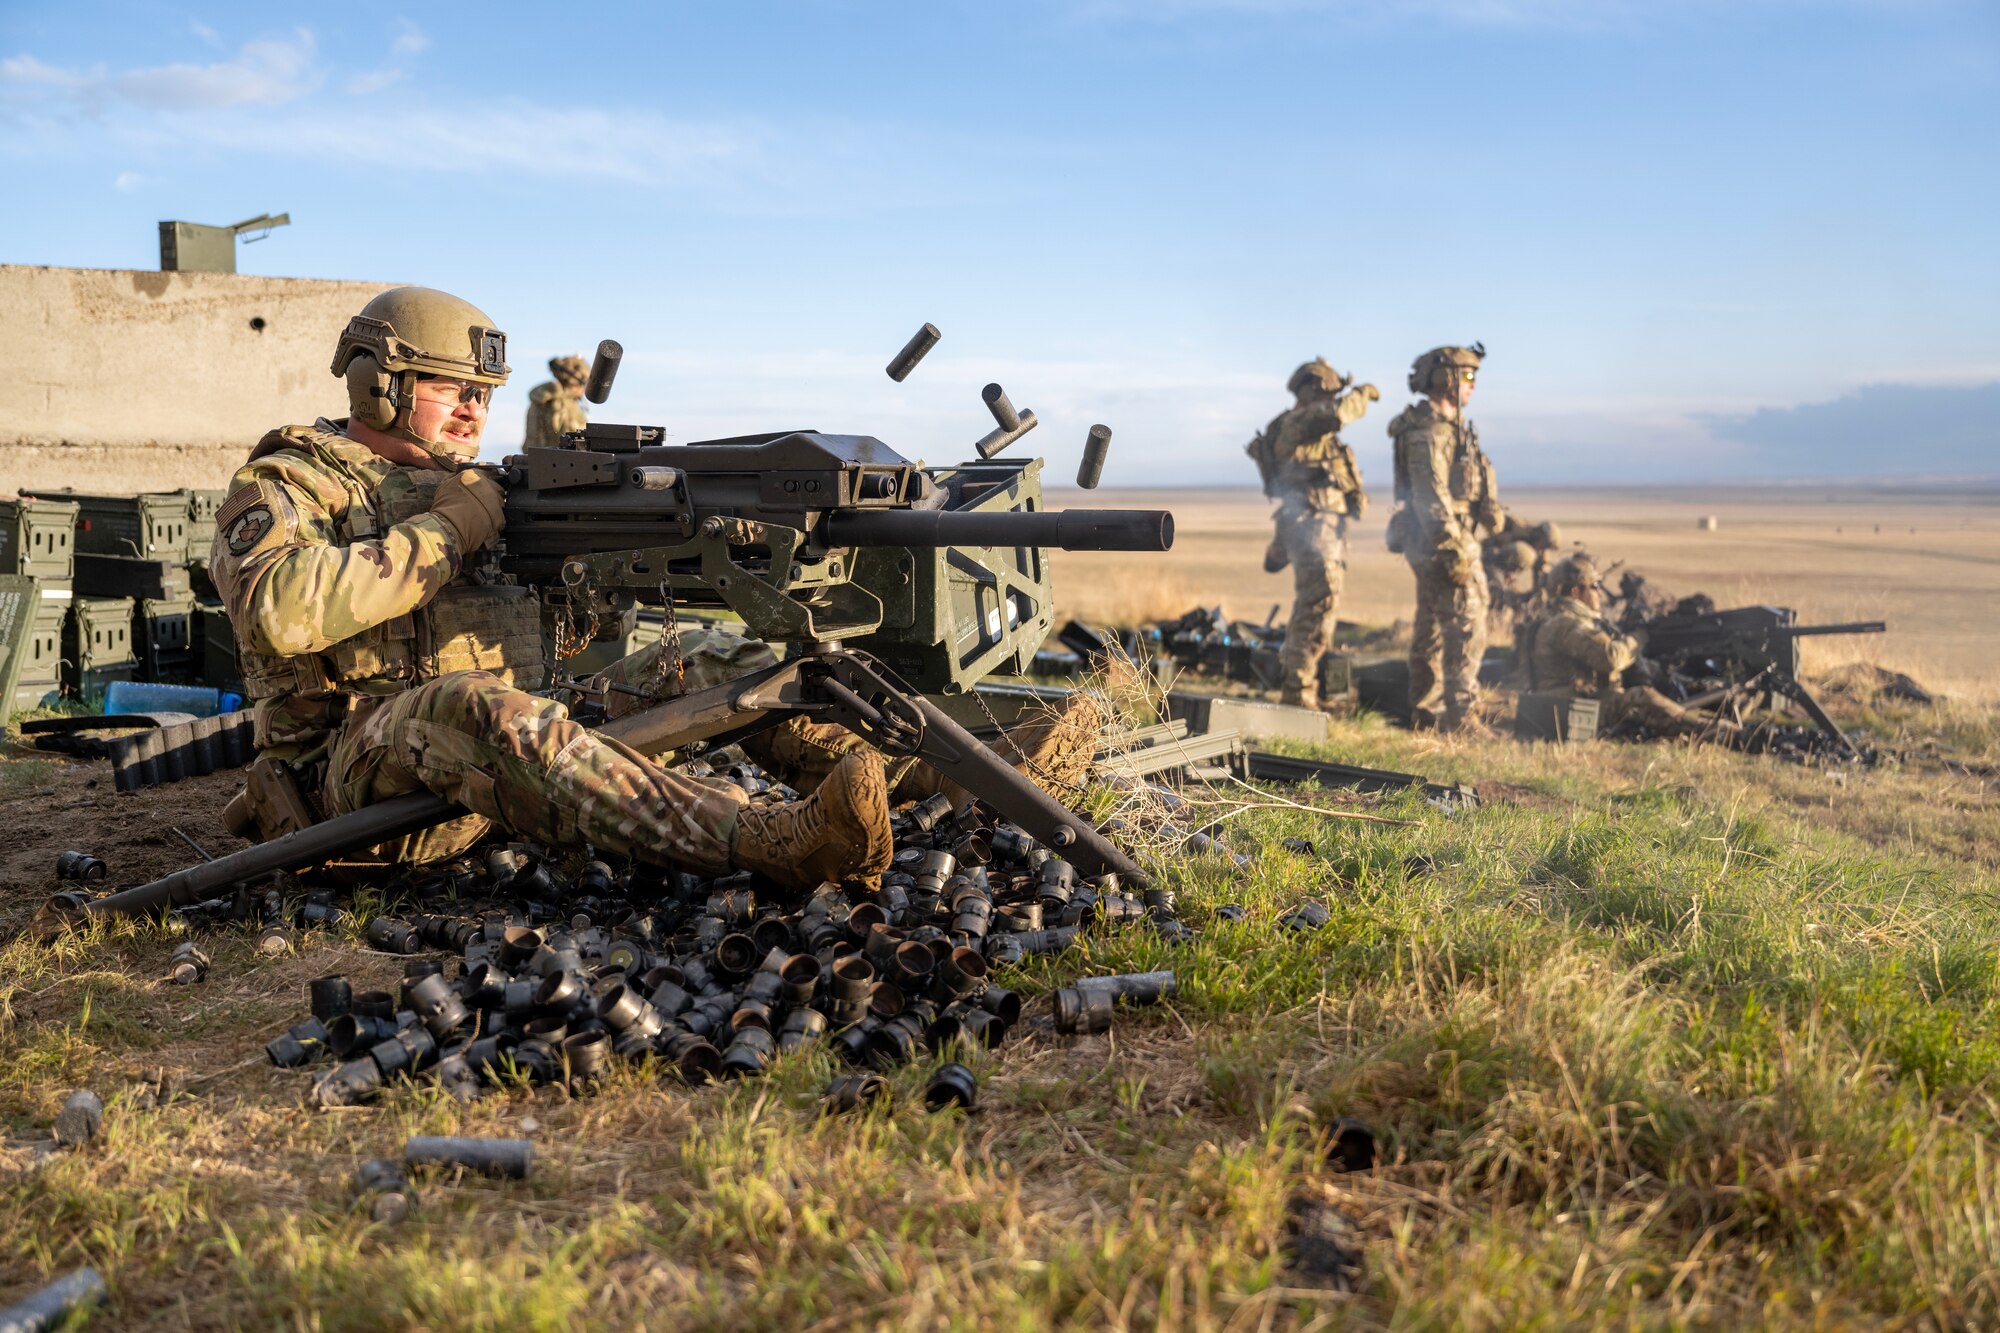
(1486, 510)
(1589, 645)
(1350, 408)
(1424, 447)
(291, 586)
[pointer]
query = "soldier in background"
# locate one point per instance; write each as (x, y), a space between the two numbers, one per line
(381, 666)
(1447, 503)
(1312, 474)
(1574, 653)
(1515, 559)
(557, 407)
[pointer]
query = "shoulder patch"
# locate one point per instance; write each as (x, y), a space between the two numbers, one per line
(249, 528)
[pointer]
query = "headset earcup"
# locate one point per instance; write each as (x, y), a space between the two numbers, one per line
(370, 393)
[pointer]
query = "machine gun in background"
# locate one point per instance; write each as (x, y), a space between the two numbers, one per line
(1713, 658)
(885, 579)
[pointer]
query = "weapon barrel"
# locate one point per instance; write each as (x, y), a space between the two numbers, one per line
(1068, 529)
(308, 847)
(393, 818)
(1850, 627)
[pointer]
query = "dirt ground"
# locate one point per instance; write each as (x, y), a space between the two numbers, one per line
(1927, 563)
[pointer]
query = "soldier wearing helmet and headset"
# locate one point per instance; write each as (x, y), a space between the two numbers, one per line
(1312, 474)
(1447, 499)
(386, 658)
(1572, 652)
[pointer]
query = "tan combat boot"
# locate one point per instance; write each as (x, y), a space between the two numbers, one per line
(1468, 727)
(839, 833)
(1054, 750)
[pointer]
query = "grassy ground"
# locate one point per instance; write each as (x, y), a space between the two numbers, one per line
(1657, 1037)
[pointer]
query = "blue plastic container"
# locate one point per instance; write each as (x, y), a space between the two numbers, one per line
(136, 696)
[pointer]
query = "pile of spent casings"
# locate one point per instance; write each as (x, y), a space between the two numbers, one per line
(560, 974)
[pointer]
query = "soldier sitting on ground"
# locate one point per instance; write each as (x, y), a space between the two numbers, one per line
(1573, 653)
(556, 408)
(385, 658)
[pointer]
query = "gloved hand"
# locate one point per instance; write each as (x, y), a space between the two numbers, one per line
(1458, 557)
(1370, 392)
(473, 506)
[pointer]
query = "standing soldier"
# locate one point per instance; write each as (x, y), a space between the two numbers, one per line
(1312, 474)
(1445, 490)
(384, 660)
(557, 407)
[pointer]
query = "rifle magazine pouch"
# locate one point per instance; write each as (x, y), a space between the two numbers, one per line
(271, 804)
(1397, 534)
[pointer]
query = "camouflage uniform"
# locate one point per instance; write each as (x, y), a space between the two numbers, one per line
(1574, 653)
(1055, 750)
(1317, 483)
(381, 664)
(557, 407)
(1446, 483)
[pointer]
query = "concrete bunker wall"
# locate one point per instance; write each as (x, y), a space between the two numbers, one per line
(126, 380)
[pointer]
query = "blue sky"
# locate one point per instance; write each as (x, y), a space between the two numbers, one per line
(1673, 223)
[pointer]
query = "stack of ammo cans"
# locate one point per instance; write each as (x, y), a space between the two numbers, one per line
(37, 544)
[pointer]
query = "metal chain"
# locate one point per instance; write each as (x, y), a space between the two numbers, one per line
(1035, 770)
(670, 641)
(568, 643)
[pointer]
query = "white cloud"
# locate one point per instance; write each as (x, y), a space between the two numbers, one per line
(410, 40)
(267, 72)
(208, 35)
(28, 72)
(362, 85)
(128, 181)
(1570, 15)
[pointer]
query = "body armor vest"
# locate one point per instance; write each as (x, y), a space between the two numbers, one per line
(473, 623)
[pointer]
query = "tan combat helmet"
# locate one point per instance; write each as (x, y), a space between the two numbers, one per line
(570, 371)
(1432, 372)
(1574, 574)
(1511, 557)
(1317, 374)
(407, 332)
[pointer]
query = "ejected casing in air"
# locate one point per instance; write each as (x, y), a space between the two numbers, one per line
(914, 350)
(1001, 407)
(511, 1158)
(993, 441)
(1132, 987)
(603, 370)
(1096, 447)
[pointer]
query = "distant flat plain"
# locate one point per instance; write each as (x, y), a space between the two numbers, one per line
(1927, 562)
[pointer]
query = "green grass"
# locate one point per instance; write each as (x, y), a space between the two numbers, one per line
(1658, 1038)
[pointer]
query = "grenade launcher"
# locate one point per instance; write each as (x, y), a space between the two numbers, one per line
(885, 580)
